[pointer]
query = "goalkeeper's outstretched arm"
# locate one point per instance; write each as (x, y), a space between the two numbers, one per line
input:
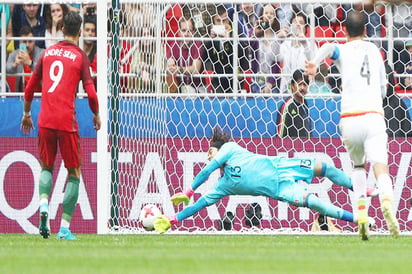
(163, 223)
(184, 197)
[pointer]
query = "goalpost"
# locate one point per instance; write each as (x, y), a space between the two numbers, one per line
(153, 141)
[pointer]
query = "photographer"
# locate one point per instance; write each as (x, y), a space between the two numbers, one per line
(23, 60)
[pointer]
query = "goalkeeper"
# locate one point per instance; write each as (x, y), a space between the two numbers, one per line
(247, 173)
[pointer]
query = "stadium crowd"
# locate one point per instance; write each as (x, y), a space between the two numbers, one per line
(273, 40)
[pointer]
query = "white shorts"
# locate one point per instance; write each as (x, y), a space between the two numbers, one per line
(365, 137)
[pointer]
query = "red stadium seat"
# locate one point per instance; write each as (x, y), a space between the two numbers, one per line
(323, 32)
(248, 81)
(11, 80)
(208, 80)
(339, 33)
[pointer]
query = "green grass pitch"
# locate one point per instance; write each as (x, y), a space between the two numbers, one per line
(20, 253)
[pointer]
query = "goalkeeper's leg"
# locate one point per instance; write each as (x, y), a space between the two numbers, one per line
(327, 209)
(339, 177)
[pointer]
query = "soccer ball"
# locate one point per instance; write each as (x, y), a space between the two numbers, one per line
(148, 215)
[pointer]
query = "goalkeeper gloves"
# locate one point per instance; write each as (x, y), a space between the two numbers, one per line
(179, 198)
(182, 197)
(162, 223)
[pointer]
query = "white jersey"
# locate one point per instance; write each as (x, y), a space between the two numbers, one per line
(363, 76)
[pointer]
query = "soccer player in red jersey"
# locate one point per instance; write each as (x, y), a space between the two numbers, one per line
(57, 75)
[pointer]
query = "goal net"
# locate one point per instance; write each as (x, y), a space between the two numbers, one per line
(185, 68)
(168, 72)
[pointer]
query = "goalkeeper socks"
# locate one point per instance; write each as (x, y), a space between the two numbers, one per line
(327, 209)
(173, 219)
(189, 192)
(337, 176)
(70, 198)
(45, 184)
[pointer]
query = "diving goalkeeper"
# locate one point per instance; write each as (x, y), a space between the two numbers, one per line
(247, 173)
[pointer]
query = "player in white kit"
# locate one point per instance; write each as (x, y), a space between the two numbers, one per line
(362, 118)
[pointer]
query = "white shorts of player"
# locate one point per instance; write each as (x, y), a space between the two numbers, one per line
(365, 137)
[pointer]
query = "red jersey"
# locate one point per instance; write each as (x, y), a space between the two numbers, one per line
(59, 70)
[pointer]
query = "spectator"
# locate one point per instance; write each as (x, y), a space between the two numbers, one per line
(54, 23)
(138, 16)
(266, 51)
(294, 51)
(172, 22)
(74, 7)
(247, 16)
(125, 58)
(325, 14)
(284, 13)
(396, 112)
(9, 30)
(24, 61)
(402, 27)
(218, 52)
(247, 19)
(29, 15)
(294, 120)
(89, 30)
(143, 62)
(408, 69)
(184, 59)
(320, 83)
(375, 26)
(196, 12)
(8, 33)
(89, 9)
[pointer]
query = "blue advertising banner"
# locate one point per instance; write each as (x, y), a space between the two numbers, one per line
(187, 117)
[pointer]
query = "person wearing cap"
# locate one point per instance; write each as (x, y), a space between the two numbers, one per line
(294, 120)
(247, 173)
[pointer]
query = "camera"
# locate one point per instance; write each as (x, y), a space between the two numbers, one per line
(90, 11)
